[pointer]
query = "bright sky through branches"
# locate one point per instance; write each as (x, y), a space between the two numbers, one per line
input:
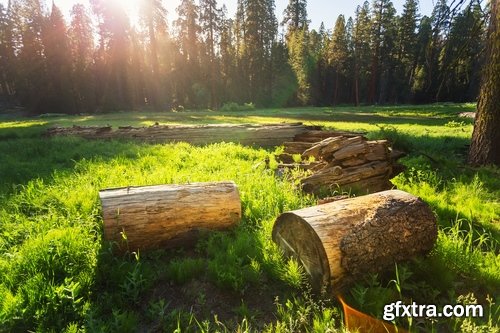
(319, 10)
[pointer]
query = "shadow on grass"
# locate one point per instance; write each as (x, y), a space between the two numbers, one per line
(24, 159)
(159, 290)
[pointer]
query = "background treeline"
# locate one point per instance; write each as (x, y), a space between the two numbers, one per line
(98, 60)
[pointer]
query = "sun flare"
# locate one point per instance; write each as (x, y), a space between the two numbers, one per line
(131, 8)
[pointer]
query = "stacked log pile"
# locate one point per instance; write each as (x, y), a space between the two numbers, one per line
(260, 135)
(343, 160)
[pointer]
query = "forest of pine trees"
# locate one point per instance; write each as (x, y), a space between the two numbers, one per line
(96, 60)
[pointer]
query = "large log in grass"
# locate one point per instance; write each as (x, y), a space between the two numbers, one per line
(165, 216)
(341, 241)
(268, 135)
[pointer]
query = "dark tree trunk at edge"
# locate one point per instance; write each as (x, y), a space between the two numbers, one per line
(485, 145)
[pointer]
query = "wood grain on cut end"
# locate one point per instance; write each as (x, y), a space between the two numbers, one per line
(299, 241)
(164, 216)
(349, 238)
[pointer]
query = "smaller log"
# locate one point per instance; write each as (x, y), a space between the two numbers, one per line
(337, 176)
(340, 242)
(351, 151)
(378, 151)
(330, 149)
(166, 216)
(317, 150)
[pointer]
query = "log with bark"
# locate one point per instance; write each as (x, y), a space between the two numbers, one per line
(269, 135)
(165, 216)
(341, 241)
(316, 135)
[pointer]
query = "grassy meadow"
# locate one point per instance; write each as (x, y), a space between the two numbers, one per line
(58, 275)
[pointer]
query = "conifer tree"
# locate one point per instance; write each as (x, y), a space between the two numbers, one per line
(154, 22)
(7, 56)
(58, 60)
(31, 79)
(362, 51)
(210, 23)
(295, 15)
(260, 28)
(188, 38)
(339, 54)
(383, 36)
(228, 58)
(407, 49)
(299, 58)
(460, 56)
(113, 55)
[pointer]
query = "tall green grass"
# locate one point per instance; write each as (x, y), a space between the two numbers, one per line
(51, 230)
(57, 273)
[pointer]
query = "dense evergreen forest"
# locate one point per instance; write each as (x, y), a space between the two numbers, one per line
(100, 61)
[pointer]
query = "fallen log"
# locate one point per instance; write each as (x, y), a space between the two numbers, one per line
(165, 216)
(340, 242)
(317, 135)
(269, 135)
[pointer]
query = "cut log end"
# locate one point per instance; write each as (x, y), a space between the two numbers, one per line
(299, 241)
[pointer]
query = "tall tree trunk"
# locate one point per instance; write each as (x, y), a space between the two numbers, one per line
(336, 91)
(356, 83)
(485, 146)
(374, 78)
(155, 93)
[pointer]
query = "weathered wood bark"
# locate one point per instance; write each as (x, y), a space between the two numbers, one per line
(303, 166)
(485, 145)
(260, 135)
(336, 176)
(166, 216)
(341, 241)
(347, 163)
(296, 147)
(319, 149)
(316, 135)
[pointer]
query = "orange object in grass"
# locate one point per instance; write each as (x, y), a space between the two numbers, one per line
(356, 321)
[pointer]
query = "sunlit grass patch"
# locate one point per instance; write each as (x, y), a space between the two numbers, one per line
(57, 273)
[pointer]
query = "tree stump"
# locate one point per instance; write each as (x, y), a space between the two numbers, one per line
(165, 216)
(341, 241)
